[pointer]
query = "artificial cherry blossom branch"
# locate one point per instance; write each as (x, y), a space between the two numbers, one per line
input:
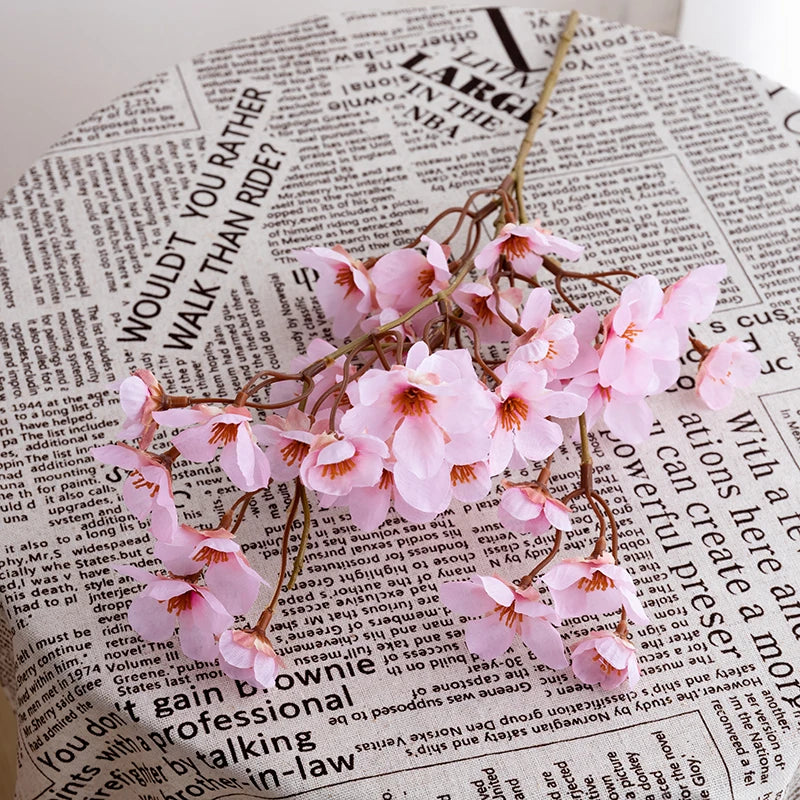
(411, 415)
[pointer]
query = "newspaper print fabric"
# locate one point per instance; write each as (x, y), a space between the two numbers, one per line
(156, 234)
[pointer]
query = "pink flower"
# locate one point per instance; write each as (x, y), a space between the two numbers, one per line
(288, 441)
(523, 247)
(549, 340)
(247, 655)
(724, 368)
(468, 482)
(227, 572)
(529, 509)
(229, 428)
(432, 399)
(605, 658)
(167, 602)
(505, 611)
(636, 337)
(140, 394)
(404, 278)
(344, 288)
(148, 490)
(521, 424)
(593, 586)
(369, 505)
(692, 298)
(586, 324)
(480, 306)
(336, 465)
(629, 418)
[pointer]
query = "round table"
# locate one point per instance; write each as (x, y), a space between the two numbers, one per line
(157, 233)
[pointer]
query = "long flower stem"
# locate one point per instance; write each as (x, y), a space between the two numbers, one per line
(301, 550)
(525, 581)
(267, 613)
(586, 457)
(518, 172)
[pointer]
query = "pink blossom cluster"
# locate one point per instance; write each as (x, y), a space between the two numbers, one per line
(203, 612)
(577, 587)
(644, 336)
(357, 296)
(416, 429)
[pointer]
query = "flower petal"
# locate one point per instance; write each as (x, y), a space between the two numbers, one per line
(488, 637)
(544, 641)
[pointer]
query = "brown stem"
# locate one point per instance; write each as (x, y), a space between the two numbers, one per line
(586, 457)
(622, 626)
(476, 357)
(613, 525)
(600, 544)
(227, 517)
(264, 620)
(563, 295)
(167, 458)
(243, 510)
(526, 580)
(699, 346)
(518, 172)
(544, 473)
(301, 550)
(287, 530)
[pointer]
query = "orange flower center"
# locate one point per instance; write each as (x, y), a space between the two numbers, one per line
(480, 307)
(386, 480)
(345, 277)
(294, 451)
(631, 332)
(462, 473)
(605, 666)
(598, 581)
(413, 402)
(515, 247)
(513, 412)
(210, 556)
(223, 433)
(551, 350)
(183, 602)
(140, 482)
(337, 470)
(508, 616)
(424, 281)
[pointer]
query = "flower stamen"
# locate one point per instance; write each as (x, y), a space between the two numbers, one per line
(294, 452)
(508, 616)
(424, 281)
(413, 402)
(223, 433)
(598, 580)
(344, 277)
(210, 556)
(515, 247)
(513, 412)
(183, 602)
(480, 307)
(605, 667)
(631, 332)
(462, 473)
(140, 482)
(337, 470)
